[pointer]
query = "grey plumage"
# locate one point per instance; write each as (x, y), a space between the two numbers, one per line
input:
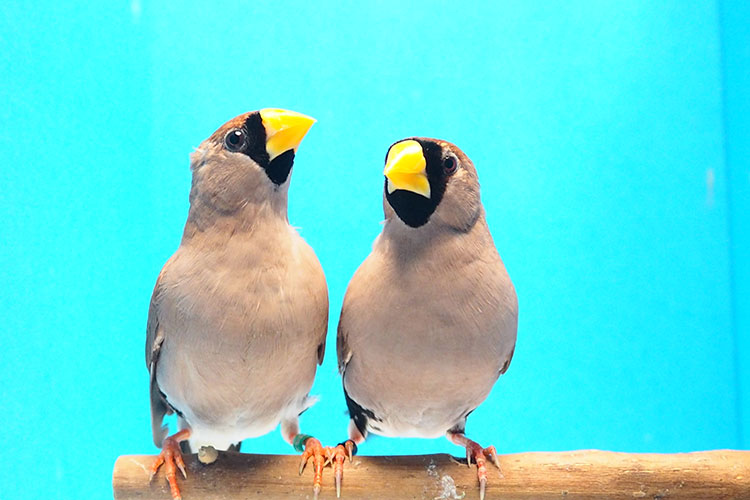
(429, 318)
(238, 316)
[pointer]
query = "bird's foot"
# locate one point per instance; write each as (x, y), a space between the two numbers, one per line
(479, 455)
(312, 449)
(336, 456)
(171, 458)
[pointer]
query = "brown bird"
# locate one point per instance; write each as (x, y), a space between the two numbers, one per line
(429, 319)
(238, 317)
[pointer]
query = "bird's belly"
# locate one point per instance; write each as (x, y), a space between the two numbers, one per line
(420, 410)
(241, 361)
(428, 423)
(437, 387)
(223, 436)
(229, 390)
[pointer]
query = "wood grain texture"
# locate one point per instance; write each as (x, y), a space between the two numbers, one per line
(586, 474)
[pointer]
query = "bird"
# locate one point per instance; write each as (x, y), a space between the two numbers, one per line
(238, 316)
(429, 319)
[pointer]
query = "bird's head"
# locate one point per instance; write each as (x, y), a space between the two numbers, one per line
(248, 159)
(429, 181)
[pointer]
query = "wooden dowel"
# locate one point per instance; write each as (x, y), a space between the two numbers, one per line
(586, 474)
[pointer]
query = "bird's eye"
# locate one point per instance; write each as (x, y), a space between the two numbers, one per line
(450, 165)
(235, 140)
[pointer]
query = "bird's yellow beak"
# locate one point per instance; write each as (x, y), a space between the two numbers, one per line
(405, 168)
(284, 130)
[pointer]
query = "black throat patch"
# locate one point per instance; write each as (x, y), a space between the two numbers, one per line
(277, 169)
(412, 208)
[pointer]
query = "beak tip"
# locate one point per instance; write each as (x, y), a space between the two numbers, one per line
(284, 129)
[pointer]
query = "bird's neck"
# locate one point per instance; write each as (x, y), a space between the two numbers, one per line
(406, 243)
(205, 223)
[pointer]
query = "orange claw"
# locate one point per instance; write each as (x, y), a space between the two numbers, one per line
(491, 452)
(313, 449)
(171, 458)
(336, 456)
(474, 451)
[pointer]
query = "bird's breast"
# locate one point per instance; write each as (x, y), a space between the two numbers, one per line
(427, 339)
(242, 340)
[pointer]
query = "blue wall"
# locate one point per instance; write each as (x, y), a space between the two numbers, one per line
(736, 66)
(612, 144)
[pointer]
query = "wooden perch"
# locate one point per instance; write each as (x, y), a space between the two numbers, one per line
(588, 474)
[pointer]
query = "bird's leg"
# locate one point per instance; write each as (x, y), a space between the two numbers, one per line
(479, 454)
(171, 458)
(336, 455)
(309, 447)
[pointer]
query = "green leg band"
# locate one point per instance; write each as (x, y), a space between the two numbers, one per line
(299, 442)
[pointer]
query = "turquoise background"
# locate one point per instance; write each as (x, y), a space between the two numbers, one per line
(612, 142)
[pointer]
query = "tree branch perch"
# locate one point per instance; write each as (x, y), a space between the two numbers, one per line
(586, 474)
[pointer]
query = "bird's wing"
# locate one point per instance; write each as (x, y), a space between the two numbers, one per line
(506, 363)
(360, 289)
(322, 319)
(154, 340)
(314, 281)
(322, 346)
(342, 348)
